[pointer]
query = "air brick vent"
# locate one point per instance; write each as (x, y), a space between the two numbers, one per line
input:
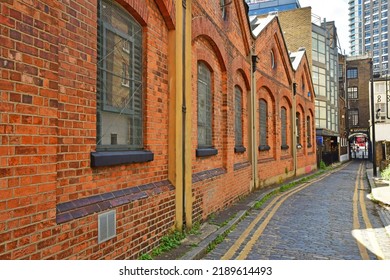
(106, 226)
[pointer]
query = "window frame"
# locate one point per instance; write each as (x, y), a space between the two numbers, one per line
(132, 152)
(223, 9)
(205, 148)
(283, 128)
(308, 131)
(353, 92)
(352, 73)
(354, 117)
(238, 120)
(263, 125)
(273, 61)
(298, 128)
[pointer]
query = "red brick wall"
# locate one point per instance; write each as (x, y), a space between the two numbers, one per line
(49, 193)
(222, 45)
(306, 159)
(48, 130)
(274, 85)
(30, 68)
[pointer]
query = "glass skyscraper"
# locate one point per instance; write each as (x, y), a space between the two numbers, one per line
(368, 29)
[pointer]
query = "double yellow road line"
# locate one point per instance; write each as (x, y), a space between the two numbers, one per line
(358, 200)
(363, 236)
(270, 211)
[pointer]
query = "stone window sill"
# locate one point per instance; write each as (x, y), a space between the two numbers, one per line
(264, 148)
(205, 152)
(239, 149)
(99, 159)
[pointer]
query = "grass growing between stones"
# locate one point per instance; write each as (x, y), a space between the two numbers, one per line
(174, 239)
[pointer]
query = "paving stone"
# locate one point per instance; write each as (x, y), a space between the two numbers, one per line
(315, 223)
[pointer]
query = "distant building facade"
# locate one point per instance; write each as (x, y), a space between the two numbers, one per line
(382, 108)
(368, 29)
(261, 7)
(343, 116)
(320, 42)
(358, 76)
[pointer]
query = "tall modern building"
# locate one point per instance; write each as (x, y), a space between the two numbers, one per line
(368, 29)
(260, 7)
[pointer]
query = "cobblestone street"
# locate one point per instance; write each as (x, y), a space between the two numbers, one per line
(329, 217)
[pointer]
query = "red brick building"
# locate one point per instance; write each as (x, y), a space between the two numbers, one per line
(121, 120)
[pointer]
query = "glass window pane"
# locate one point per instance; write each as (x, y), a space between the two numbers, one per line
(204, 107)
(238, 116)
(283, 117)
(119, 87)
(263, 122)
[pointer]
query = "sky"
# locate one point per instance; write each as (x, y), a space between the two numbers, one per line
(332, 10)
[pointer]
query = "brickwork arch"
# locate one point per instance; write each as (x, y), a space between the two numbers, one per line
(265, 93)
(203, 28)
(138, 9)
(286, 103)
(241, 66)
(167, 9)
(204, 53)
(286, 97)
(310, 114)
(300, 109)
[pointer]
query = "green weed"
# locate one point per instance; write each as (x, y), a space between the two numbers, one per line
(385, 174)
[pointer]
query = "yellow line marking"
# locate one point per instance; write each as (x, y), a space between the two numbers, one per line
(248, 247)
(282, 197)
(371, 234)
(233, 249)
(356, 223)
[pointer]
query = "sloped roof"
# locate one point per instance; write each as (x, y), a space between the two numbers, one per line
(258, 24)
(296, 58)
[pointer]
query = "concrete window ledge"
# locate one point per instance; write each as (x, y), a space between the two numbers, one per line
(264, 148)
(205, 152)
(99, 159)
(239, 149)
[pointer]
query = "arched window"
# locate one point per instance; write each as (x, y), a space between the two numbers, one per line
(283, 120)
(263, 123)
(238, 116)
(298, 127)
(273, 63)
(119, 88)
(308, 133)
(204, 107)
(223, 8)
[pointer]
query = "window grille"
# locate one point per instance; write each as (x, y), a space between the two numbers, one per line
(223, 8)
(308, 133)
(119, 87)
(204, 107)
(354, 117)
(352, 73)
(263, 122)
(352, 92)
(298, 127)
(106, 226)
(283, 117)
(238, 116)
